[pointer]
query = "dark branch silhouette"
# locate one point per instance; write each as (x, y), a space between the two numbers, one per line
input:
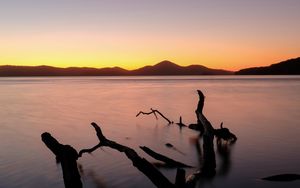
(199, 126)
(180, 181)
(209, 164)
(154, 112)
(168, 161)
(225, 134)
(67, 157)
(283, 177)
(168, 145)
(181, 124)
(140, 163)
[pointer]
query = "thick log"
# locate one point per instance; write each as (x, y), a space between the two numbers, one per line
(140, 163)
(154, 112)
(168, 161)
(209, 160)
(67, 156)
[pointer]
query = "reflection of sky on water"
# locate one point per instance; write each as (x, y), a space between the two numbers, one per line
(263, 113)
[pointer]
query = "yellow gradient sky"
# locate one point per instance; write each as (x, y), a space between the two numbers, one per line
(231, 34)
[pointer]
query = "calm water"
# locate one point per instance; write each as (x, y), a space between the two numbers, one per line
(263, 111)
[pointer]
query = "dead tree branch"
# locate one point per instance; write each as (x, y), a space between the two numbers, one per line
(169, 162)
(209, 161)
(140, 163)
(67, 157)
(209, 165)
(225, 134)
(199, 126)
(154, 112)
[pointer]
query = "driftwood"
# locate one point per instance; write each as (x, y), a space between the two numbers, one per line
(209, 161)
(168, 161)
(180, 181)
(154, 112)
(67, 156)
(225, 134)
(180, 124)
(283, 177)
(199, 125)
(208, 168)
(174, 148)
(140, 163)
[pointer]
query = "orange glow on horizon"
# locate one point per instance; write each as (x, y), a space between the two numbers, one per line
(135, 50)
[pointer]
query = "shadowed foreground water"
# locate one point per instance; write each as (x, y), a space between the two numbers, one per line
(263, 111)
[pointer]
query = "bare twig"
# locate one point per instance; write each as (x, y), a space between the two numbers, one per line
(180, 124)
(154, 112)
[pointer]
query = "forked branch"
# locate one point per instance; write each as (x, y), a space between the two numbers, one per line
(154, 112)
(140, 163)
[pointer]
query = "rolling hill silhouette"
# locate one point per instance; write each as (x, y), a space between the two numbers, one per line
(288, 67)
(162, 68)
(169, 68)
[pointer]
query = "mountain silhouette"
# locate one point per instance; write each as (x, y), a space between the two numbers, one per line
(43, 70)
(169, 68)
(288, 67)
(162, 68)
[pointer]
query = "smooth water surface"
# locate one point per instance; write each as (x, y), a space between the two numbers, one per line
(263, 111)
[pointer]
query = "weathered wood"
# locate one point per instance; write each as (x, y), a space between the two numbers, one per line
(154, 112)
(67, 156)
(140, 163)
(168, 161)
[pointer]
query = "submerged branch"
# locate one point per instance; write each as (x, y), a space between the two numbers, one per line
(283, 177)
(168, 161)
(154, 112)
(68, 156)
(140, 163)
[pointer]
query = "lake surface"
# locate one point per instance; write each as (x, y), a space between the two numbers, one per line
(263, 111)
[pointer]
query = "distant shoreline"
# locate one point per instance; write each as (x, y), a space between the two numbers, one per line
(164, 68)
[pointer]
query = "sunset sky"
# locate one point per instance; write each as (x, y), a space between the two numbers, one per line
(227, 34)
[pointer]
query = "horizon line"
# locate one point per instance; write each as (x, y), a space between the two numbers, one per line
(66, 67)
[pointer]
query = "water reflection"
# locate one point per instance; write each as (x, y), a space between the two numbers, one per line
(223, 149)
(65, 107)
(224, 152)
(92, 175)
